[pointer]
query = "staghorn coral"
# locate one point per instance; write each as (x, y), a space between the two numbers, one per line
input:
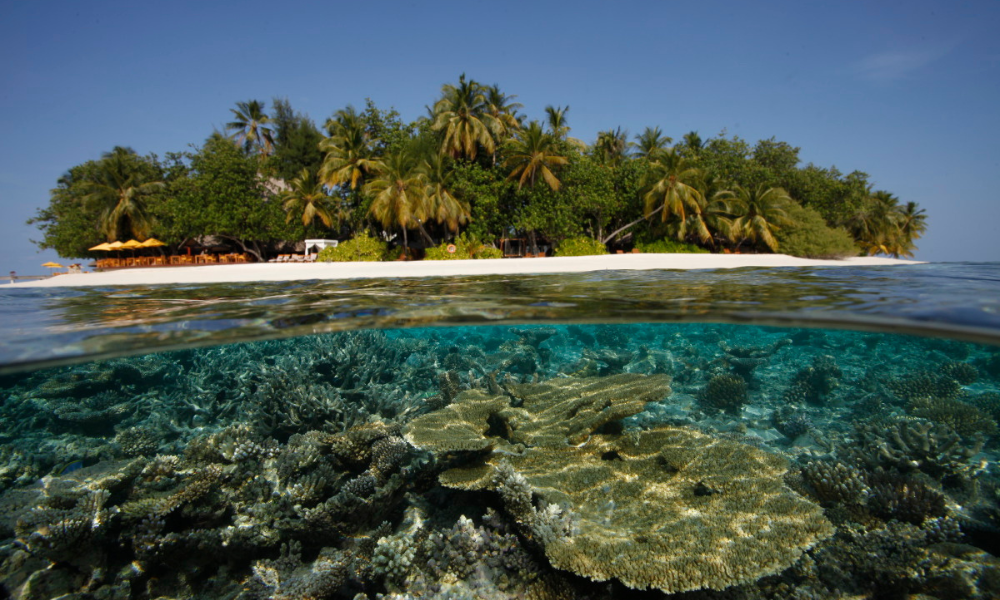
(57, 533)
(962, 372)
(670, 508)
(724, 393)
(288, 578)
(964, 419)
(910, 444)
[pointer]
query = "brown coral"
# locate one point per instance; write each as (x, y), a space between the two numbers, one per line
(557, 412)
(668, 508)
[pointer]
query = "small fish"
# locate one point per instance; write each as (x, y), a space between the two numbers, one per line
(76, 465)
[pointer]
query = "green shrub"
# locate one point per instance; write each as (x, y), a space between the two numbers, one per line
(581, 246)
(362, 247)
(466, 247)
(668, 246)
(441, 253)
(489, 252)
(811, 237)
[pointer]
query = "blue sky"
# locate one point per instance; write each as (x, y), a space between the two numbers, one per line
(905, 91)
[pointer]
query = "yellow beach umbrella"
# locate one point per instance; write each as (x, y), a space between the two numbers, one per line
(53, 265)
(115, 245)
(131, 245)
(105, 247)
(152, 243)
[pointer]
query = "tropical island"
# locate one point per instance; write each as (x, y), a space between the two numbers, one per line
(462, 180)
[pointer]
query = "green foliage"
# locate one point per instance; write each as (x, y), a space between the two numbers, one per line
(466, 247)
(810, 237)
(441, 253)
(225, 197)
(479, 179)
(669, 246)
(581, 246)
(100, 201)
(296, 142)
(362, 247)
(489, 252)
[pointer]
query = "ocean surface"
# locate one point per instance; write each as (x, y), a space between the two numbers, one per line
(804, 433)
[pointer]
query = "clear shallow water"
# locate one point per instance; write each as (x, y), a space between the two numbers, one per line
(557, 425)
(39, 326)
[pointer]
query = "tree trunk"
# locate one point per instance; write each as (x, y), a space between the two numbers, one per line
(423, 232)
(614, 233)
(255, 251)
(532, 239)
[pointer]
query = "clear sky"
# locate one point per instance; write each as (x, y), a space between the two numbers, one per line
(908, 92)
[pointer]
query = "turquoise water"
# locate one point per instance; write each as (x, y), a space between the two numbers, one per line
(758, 433)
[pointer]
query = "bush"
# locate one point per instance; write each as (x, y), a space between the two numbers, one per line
(489, 252)
(362, 247)
(668, 246)
(466, 247)
(581, 246)
(811, 237)
(441, 253)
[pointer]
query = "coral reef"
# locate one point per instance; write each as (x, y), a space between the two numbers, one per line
(814, 383)
(964, 419)
(725, 393)
(556, 412)
(911, 444)
(567, 454)
(635, 494)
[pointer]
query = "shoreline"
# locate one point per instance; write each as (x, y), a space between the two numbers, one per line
(252, 272)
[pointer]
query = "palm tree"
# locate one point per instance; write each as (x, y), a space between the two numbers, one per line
(651, 141)
(250, 126)
(673, 190)
(532, 153)
(759, 212)
(612, 146)
(462, 114)
(912, 224)
(399, 189)
(439, 203)
(502, 111)
(693, 143)
(556, 120)
(348, 151)
(308, 198)
(874, 225)
(119, 191)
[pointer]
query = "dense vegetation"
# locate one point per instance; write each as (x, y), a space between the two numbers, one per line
(476, 167)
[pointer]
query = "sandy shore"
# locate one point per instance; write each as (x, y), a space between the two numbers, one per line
(440, 268)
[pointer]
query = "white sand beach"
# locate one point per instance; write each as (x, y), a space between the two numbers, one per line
(441, 268)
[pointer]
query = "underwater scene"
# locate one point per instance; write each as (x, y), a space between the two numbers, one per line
(545, 460)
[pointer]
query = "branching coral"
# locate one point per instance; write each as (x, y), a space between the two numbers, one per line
(964, 419)
(725, 393)
(814, 383)
(909, 444)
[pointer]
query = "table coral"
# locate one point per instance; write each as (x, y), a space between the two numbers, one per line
(669, 508)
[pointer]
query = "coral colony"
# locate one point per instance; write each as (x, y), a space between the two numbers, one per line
(697, 461)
